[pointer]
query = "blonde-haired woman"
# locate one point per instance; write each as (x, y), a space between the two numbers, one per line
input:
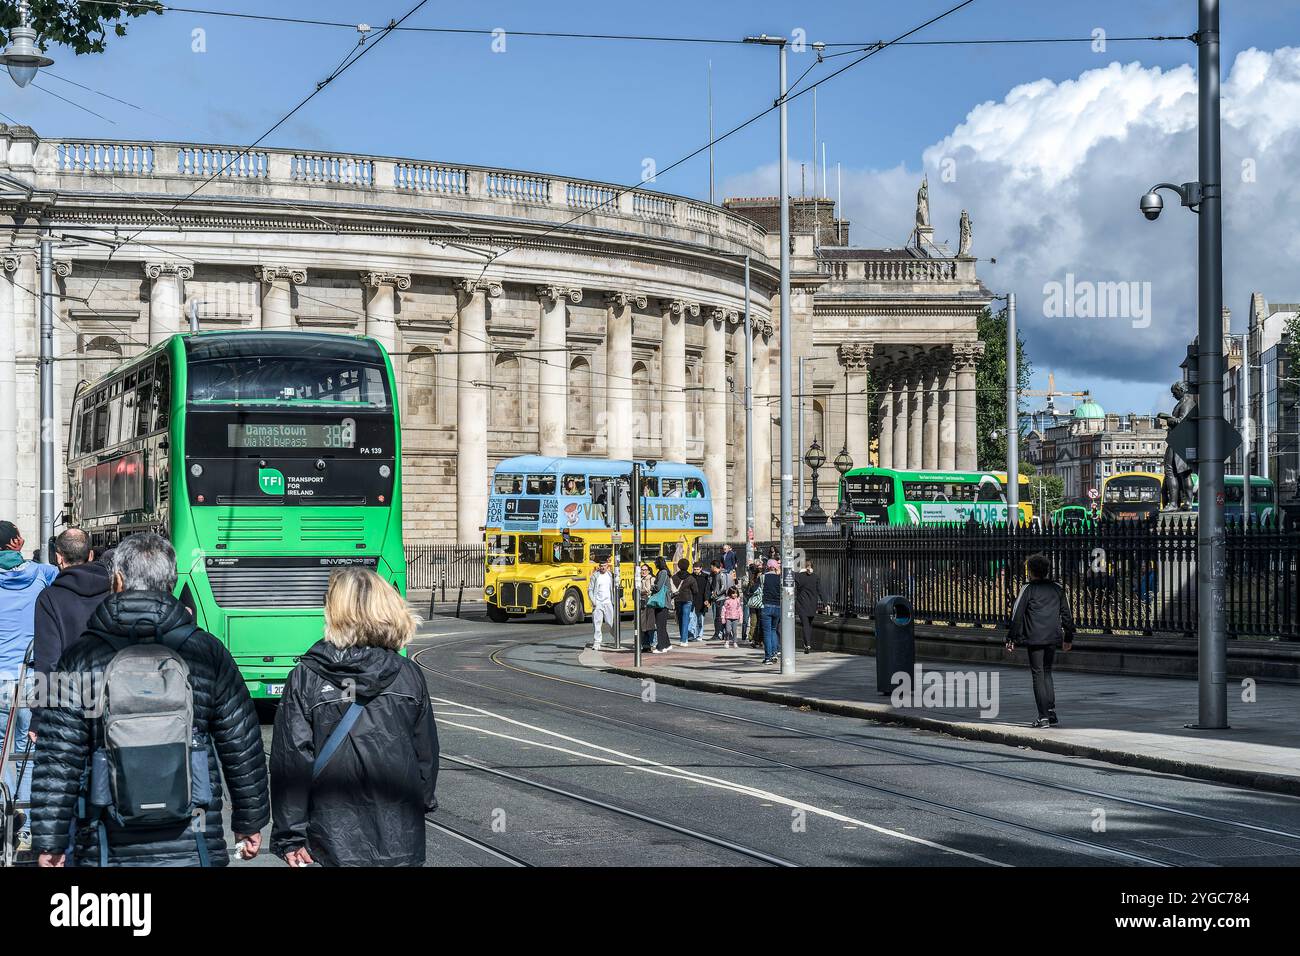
(354, 758)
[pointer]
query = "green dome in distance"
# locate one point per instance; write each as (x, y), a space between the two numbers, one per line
(1089, 409)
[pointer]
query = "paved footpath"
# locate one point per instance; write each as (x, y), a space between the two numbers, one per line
(1135, 721)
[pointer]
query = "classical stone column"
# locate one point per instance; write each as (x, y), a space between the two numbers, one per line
(914, 422)
(620, 422)
(715, 416)
(8, 392)
(947, 416)
(763, 413)
(930, 415)
(856, 359)
(885, 401)
(673, 378)
(553, 371)
(381, 306)
(471, 407)
(166, 302)
(737, 511)
(277, 312)
(965, 355)
(900, 416)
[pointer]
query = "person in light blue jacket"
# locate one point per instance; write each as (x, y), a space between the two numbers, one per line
(21, 582)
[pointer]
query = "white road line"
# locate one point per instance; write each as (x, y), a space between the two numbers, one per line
(646, 765)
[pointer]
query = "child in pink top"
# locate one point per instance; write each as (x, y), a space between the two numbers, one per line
(731, 613)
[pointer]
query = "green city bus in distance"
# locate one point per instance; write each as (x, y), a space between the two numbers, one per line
(267, 458)
(883, 496)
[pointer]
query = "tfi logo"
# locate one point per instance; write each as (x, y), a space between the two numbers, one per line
(271, 481)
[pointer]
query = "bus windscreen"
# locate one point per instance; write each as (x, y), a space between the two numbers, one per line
(287, 380)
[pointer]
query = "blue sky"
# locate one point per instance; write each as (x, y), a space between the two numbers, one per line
(599, 109)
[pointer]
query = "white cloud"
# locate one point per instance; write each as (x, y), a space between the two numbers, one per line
(1051, 175)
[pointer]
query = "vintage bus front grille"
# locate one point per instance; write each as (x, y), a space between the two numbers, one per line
(516, 594)
(269, 587)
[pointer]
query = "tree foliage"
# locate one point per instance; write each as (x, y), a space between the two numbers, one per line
(82, 27)
(991, 388)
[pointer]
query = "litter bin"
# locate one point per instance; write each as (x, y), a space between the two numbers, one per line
(895, 641)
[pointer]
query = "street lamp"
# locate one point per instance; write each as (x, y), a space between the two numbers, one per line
(844, 514)
(21, 55)
(1205, 197)
(814, 458)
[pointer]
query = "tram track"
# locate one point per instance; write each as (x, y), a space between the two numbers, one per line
(476, 843)
(908, 755)
(912, 799)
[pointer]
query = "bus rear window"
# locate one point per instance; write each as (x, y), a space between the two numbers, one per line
(870, 490)
(508, 484)
(286, 380)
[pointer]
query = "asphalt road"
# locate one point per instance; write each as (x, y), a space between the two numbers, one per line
(548, 763)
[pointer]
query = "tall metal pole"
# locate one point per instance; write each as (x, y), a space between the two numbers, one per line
(787, 412)
(1013, 417)
(1211, 571)
(636, 558)
(800, 443)
(48, 423)
(817, 213)
(749, 427)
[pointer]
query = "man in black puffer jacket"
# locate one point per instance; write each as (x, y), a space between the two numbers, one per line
(1041, 620)
(142, 606)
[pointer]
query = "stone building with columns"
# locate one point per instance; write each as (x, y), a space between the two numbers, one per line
(525, 312)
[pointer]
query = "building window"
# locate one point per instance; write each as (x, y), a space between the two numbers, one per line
(506, 402)
(422, 386)
(580, 395)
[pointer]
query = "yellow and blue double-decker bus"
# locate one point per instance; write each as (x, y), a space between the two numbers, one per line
(884, 496)
(545, 529)
(267, 458)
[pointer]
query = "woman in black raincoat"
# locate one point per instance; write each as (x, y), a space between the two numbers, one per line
(354, 758)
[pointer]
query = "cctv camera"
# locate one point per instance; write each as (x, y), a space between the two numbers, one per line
(1152, 205)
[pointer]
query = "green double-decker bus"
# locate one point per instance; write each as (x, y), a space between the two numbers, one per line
(267, 458)
(883, 496)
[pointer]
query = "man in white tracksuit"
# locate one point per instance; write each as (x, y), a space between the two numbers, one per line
(601, 591)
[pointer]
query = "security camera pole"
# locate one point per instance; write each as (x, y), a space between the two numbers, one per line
(1206, 198)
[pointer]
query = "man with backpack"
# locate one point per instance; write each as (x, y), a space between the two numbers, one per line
(163, 714)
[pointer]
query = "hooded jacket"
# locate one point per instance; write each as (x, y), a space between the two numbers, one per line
(367, 806)
(62, 611)
(223, 712)
(21, 583)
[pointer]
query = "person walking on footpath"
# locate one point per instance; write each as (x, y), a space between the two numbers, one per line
(703, 600)
(601, 590)
(1042, 622)
(685, 588)
(720, 584)
(772, 612)
(354, 756)
(659, 600)
(808, 600)
(164, 716)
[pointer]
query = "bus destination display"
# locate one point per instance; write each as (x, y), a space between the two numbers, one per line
(291, 435)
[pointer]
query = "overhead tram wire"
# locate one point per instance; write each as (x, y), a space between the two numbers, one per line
(355, 54)
(622, 190)
(854, 46)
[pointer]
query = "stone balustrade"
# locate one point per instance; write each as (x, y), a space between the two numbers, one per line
(74, 164)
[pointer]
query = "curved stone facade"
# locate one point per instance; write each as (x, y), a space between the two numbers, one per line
(525, 312)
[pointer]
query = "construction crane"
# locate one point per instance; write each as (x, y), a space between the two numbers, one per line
(1051, 394)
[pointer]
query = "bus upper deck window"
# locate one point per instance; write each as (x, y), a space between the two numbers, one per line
(541, 484)
(694, 488)
(671, 487)
(575, 485)
(649, 488)
(509, 485)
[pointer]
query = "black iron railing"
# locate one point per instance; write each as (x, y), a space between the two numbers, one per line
(439, 566)
(1121, 577)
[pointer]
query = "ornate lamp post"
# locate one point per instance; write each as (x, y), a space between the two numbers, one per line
(21, 55)
(844, 514)
(814, 458)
